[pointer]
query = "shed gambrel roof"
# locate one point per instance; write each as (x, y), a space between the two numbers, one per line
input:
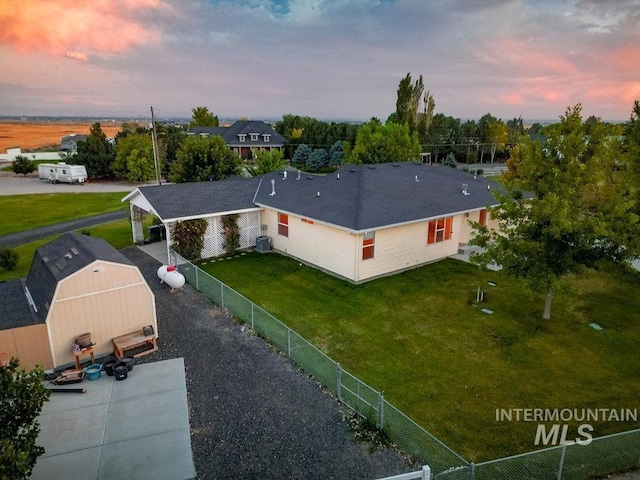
(243, 127)
(14, 306)
(368, 197)
(62, 257)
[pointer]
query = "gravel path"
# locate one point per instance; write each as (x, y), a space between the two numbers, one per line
(253, 414)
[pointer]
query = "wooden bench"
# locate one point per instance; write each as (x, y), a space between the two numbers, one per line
(132, 341)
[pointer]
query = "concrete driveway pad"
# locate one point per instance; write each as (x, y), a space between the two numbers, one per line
(136, 429)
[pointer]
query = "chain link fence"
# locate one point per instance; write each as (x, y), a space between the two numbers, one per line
(566, 462)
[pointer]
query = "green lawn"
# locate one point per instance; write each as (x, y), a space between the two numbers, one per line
(417, 337)
(23, 212)
(117, 233)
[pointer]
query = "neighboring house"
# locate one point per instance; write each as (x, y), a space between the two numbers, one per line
(69, 143)
(76, 284)
(359, 223)
(245, 136)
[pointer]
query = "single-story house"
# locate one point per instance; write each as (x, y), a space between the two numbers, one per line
(76, 284)
(359, 223)
(245, 136)
(70, 142)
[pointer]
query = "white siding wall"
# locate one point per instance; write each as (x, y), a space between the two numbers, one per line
(325, 247)
(405, 247)
(340, 252)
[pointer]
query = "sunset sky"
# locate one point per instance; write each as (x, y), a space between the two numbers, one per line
(328, 59)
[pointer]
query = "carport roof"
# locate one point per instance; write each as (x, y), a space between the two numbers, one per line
(198, 199)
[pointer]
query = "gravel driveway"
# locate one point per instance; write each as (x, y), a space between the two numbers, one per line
(253, 414)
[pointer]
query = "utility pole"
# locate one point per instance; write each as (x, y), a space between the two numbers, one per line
(154, 141)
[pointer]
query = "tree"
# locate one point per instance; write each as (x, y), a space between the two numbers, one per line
(22, 164)
(482, 132)
(204, 158)
(410, 97)
(202, 117)
(134, 158)
(318, 159)
(266, 162)
(301, 154)
(22, 395)
(497, 135)
(96, 154)
(631, 150)
(377, 143)
(9, 258)
(578, 212)
(337, 154)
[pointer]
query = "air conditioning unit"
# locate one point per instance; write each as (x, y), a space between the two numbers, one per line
(263, 244)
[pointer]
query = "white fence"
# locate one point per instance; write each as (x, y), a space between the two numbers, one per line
(12, 153)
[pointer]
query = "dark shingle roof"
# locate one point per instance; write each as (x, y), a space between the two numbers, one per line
(182, 200)
(62, 257)
(14, 306)
(230, 134)
(374, 196)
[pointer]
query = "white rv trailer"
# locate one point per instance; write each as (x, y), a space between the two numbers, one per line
(62, 172)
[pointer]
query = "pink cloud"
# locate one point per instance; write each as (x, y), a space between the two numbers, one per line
(77, 56)
(67, 27)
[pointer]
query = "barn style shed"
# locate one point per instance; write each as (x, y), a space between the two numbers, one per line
(76, 284)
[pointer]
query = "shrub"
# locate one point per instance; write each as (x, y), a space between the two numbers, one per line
(231, 233)
(23, 165)
(22, 395)
(9, 258)
(188, 238)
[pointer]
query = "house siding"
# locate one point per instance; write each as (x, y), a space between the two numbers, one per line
(29, 344)
(404, 247)
(107, 304)
(325, 247)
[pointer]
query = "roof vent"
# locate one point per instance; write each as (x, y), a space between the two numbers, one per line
(417, 178)
(273, 187)
(284, 175)
(338, 177)
(75, 251)
(298, 175)
(465, 189)
(488, 187)
(68, 256)
(318, 194)
(371, 167)
(352, 170)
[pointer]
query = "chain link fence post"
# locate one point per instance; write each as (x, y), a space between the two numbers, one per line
(561, 466)
(380, 410)
(339, 381)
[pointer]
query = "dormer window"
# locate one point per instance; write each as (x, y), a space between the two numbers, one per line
(254, 137)
(242, 137)
(266, 137)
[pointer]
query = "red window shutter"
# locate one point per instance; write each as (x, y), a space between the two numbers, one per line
(448, 229)
(483, 218)
(431, 237)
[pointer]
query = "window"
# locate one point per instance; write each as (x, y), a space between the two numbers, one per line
(242, 137)
(266, 137)
(254, 137)
(483, 217)
(283, 224)
(368, 245)
(440, 230)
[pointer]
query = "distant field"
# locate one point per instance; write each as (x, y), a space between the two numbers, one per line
(33, 135)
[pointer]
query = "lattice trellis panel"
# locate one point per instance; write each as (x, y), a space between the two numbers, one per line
(249, 224)
(137, 216)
